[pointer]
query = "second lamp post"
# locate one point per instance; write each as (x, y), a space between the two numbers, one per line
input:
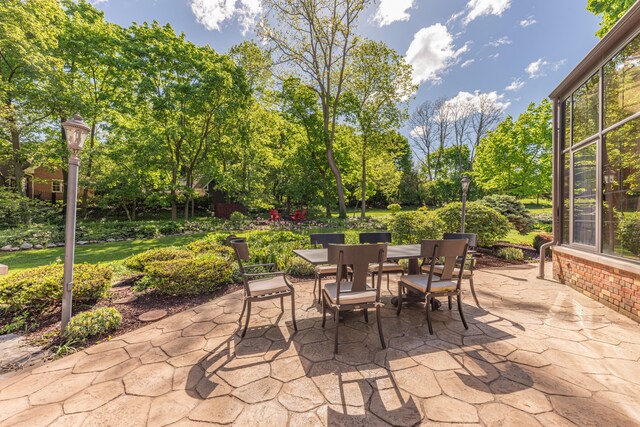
(465, 187)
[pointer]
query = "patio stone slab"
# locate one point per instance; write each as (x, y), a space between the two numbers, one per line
(536, 353)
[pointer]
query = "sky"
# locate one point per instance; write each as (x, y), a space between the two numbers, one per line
(516, 50)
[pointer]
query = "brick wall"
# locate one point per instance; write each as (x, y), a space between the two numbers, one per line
(613, 287)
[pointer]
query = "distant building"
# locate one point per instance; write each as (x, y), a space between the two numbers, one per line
(39, 183)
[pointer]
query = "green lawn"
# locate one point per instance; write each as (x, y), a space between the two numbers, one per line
(544, 206)
(520, 239)
(94, 253)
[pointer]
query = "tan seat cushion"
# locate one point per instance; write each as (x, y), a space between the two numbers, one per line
(347, 297)
(329, 270)
(387, 267)
(419, 283)
(437, 269)
(268, 286)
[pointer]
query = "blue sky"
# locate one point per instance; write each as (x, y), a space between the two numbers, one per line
(519, 49)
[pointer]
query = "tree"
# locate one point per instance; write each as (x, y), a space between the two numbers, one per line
(315, 38)
(28, 36)
(376, 97)
(515, 158)
(611, 12)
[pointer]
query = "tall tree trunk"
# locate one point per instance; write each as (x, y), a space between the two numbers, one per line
(17, 162)
(174, 205)
(364, 184)
(85, 190)
(342, 207)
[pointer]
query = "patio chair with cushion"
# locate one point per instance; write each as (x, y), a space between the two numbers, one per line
(320, 271)
(389, 266)
(260, 285)
(431, 285)
(467, 273)
(355, 294)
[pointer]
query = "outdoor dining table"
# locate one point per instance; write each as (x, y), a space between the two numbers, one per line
(394, 253)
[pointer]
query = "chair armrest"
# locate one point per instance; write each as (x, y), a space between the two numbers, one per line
(270, 273)
(270, 265)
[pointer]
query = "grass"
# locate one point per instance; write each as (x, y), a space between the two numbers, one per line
(520, 239)
(544, 206)
(94, 253)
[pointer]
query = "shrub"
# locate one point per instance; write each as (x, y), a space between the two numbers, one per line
(543, 221)
(190, 276)
(16, 210)
(513, 209)
(423, 208)
(540, 239)
(413, 227)
(489, 224)
(214, 243)
(629, 232)
(511, 254)
(146, 231)
(139, 261)
(296, 266)
(39, 289)
(394, 208)
(91, 323)
(171, 227)
(275, 247)
(237, 219)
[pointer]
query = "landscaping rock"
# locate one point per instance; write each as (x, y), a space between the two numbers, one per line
(152, 316)
(26, 245)
(6, 248)
(14, 249)
(3, 269)
(38, 247)
(128, 299)
(60, 245)
(111, 240)
(51, 245)
(82, 242)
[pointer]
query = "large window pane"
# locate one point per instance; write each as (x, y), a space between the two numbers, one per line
(622, 84)
(566, 175)
(585, 109)
(584, 196)
(566, 123)
(621, 190)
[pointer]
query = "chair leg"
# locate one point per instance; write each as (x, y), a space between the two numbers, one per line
(379, 320)
(244, 307)
(282, 304)
(449, 300)
(399, 299)
(246, 325)
(366, 315)
(315, 283)
(428, 308)
(473, 291)
(373, 280)
(324, 313)
(293, 310)
(388, 288)
(464, 322)
(319, 287)
(336, 316)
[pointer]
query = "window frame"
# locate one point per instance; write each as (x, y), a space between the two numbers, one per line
(56, 181)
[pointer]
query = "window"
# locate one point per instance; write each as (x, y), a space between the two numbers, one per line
(566, 118)
(621, 191)
(56, 186)
(585, 109)
(566, 182)
(584, 196)
(622, 84)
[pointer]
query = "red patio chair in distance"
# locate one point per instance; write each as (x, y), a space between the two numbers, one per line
(274, 215)
(299, 215)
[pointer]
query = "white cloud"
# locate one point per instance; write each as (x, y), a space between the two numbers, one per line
(476, 99)
(467, 63)
(499, 42)
(431, 52)
(528, 22)
(494, 56)
(212, 13)
(541, 66)
(478, 8)
(390, 11)
(515, 85)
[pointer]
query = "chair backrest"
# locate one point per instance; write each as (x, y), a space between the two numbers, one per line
(378, 237)
(472, 238)
(359, 257)
(451, 250)
(242, 251)
(324, 239)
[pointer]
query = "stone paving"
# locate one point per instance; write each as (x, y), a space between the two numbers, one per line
(537, 353)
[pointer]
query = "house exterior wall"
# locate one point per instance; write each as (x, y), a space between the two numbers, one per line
(612, 283)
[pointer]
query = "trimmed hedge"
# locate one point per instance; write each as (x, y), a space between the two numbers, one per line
(139, 261)
(489, 224)
(93, 322)
(413, 227)
(190, 276)
(40, 289)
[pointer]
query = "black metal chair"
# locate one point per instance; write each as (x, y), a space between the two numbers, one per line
(346, 295)
(389, 266)
(320, 271)
(260, 286)
(432, 286)
(467, 273)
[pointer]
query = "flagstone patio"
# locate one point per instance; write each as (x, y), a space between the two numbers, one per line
(536, 353)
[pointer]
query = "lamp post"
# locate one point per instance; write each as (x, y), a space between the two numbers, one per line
(465, 187)
(76, 132)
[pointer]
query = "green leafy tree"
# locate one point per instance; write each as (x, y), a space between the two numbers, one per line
(610, 11)
(515, 158)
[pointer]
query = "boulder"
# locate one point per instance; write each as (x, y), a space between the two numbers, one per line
(111, 240)
(38, 247)
(82, 242)
(26, 245)
(6, 248)
(51, 245)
